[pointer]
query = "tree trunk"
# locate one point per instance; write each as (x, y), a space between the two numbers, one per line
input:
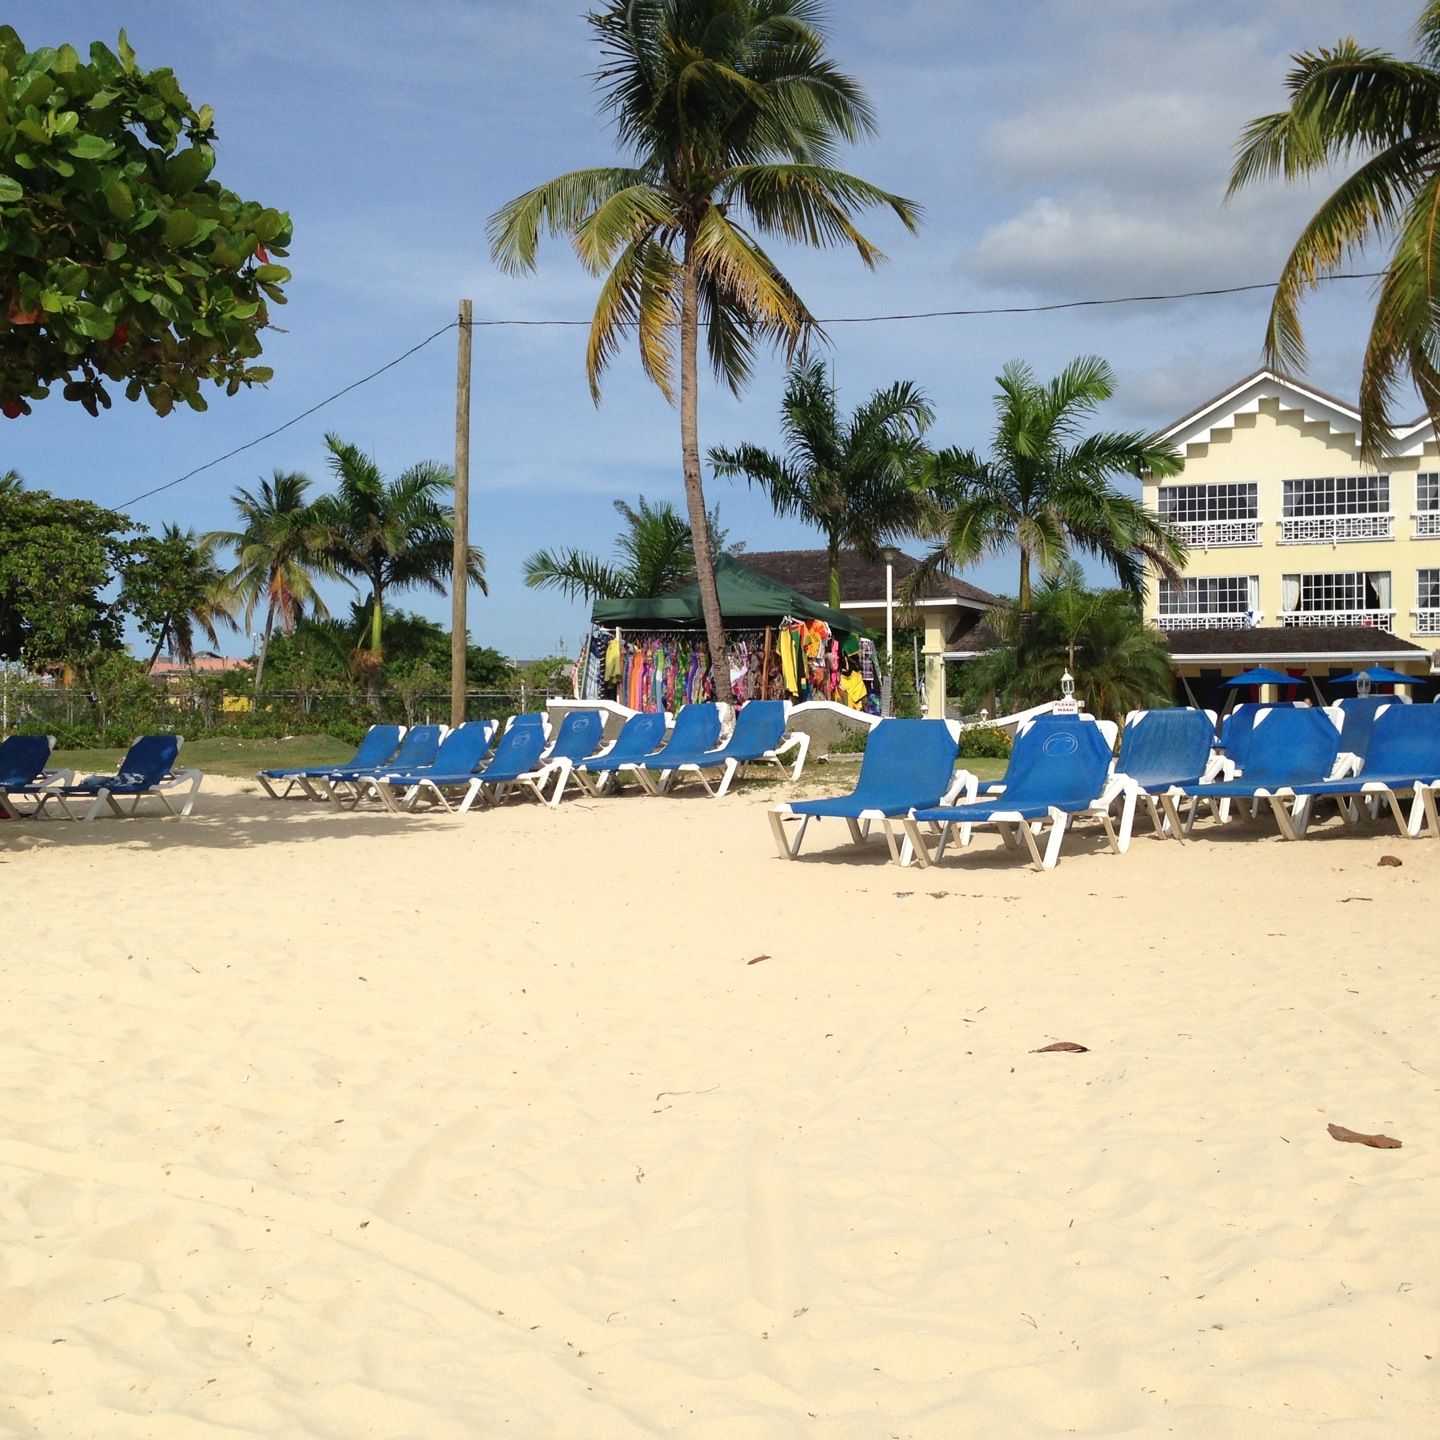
(694, 491)
(375, 621)
(159, 646)
(834, 561)
(265, 644)
(1022, 601)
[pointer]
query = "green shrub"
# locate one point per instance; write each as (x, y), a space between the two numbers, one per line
(984, 742)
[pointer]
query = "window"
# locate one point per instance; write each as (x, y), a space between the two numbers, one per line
(1204, 504)
(1337, 495)
(1339, 590)
(1427, 492)
(1427, 589)
(1210, 595)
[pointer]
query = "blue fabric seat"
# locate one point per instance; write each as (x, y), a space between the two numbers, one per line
(517, 753)
(580, 735)
(1287, 746)
(147, 772)
(1357, 720)
(460, 753)
(907, 763)
(1402, 757)
(348, 784)
(1160, 749)
(1064, 774)
(696, 729)
(377, 745)
(637, 738)
(24, 767)
(758, 736)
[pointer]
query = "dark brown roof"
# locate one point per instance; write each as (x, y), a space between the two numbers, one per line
(808, 571)
(1292, 640)
(973, 638)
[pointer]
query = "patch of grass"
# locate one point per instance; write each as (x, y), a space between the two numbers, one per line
(224, 755)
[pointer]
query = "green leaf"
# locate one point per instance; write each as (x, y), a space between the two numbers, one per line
(181, 228)
(188, 168)
(120, 201)
(92, 147)
(65, 121)
(10, 190)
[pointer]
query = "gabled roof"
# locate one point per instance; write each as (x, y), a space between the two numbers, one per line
(1244, 397)
(862, 582)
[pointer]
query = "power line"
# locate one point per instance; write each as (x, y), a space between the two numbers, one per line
(304, 414)
(834, 320)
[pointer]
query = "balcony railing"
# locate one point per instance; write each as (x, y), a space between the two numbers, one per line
(1425, 523)
(1427, 622)
(1374, 619)
(1336, 529)
(1214, 620)
(1217, 534)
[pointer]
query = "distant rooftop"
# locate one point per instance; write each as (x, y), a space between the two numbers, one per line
(206, 662)
(1280, 642)
(862, 582)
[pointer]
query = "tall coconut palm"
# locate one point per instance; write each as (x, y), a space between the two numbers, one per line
(731, 112)
(654, 554)
(277, 563)
(853, 480)
(1047, 491)
(186, 591)
(1347, 104)
(393, 535)
(11, 482)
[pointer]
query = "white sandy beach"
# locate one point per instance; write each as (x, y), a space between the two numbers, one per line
(347, 1125)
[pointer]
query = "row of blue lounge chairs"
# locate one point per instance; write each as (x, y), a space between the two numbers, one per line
(31, 788)
(427, 766)
(1359, 755)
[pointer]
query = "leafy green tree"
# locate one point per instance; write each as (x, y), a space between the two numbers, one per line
(173, 587)
(1352, 104)
(654, 555)
(1047, 491)
(853, 480)
(121, 259)
(731, 112)
(57, 560)
(277, 557)
(393, 535)
(1119, 663)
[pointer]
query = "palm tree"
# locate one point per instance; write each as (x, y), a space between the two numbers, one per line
(11, 483)
(731, 112)
(276, 559)
(1351, 103)
(851, 479)
(1046, 491)
(181, 567)
(654, 555)
(1119, 663)
(393, 535)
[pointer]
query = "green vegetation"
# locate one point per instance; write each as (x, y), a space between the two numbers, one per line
(853, 480)
(237, 757)
(731, 112)
(121, 259)
(1351, 103)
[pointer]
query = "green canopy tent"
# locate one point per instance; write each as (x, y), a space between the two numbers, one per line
(747, 598)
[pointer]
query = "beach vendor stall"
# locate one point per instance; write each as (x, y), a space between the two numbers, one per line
(651, 653)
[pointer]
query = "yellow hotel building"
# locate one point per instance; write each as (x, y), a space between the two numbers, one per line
(1301, 557)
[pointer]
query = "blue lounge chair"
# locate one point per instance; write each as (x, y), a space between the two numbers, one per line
(1288, 746)
(637, 738)
(460, 753)
(347, 785)
(694, 733)
(146, 773)
(1064, 775)
(578, 738)
(517, 754)
(24, 766)
(1402, 757)
(379, 743)
(1355, 716)
(758, 737)
(1160, 749)
(907, 763)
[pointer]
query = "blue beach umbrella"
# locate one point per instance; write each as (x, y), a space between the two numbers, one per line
(1378, 675)
(1262, 676)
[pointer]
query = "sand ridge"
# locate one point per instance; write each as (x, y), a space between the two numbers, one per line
(357, 1125)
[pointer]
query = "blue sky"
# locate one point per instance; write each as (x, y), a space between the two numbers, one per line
(1062, 149)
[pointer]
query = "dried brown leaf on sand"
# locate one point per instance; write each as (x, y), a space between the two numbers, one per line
(1069, 1046)
(1354, 1137)
(757, 959)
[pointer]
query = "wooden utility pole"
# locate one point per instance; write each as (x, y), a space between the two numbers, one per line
(460, 575)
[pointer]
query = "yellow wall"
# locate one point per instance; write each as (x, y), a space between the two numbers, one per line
(1275, 445)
